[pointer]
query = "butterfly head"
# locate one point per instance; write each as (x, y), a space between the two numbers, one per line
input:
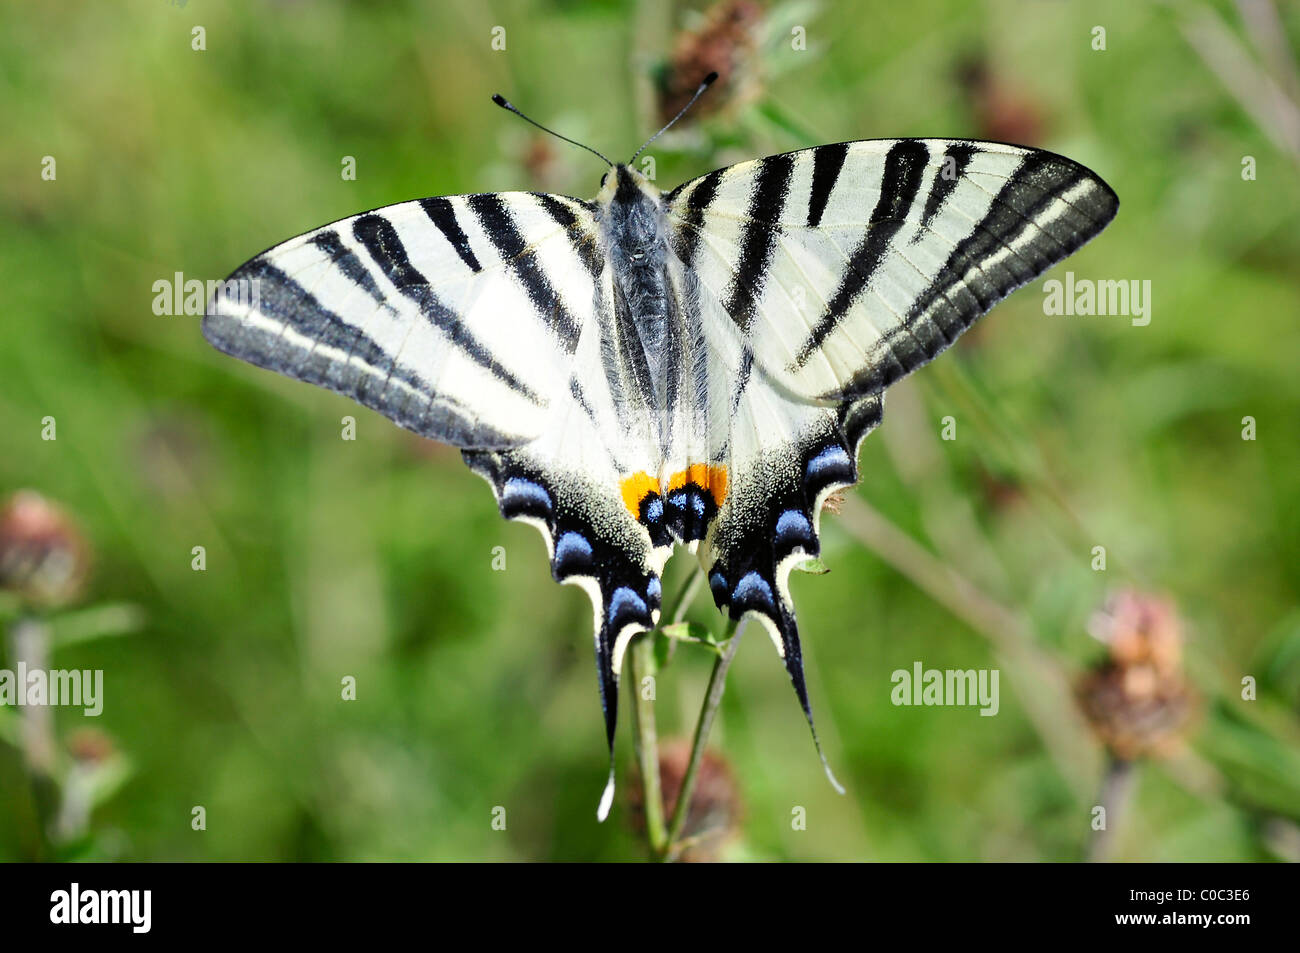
(625, 185)
(632, 209)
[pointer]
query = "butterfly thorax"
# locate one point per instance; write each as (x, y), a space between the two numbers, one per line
(648, 336)
(646, 325)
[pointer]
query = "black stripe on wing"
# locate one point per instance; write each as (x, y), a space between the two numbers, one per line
(904, 168)
(827, 163)
(970, 282)
(686, 240)
(743, 373)
(341, 356)
(501, 230)
(347, 262)
(951, 170)
(758, 236)
(380, 240)
(579, 234)
(443, 215)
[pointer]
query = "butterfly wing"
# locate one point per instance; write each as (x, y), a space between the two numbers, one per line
(481, 321)
(846, 266)
(827, 274)
(411, 310)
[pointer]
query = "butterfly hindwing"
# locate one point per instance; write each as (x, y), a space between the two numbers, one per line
(771, 521)
(592, 540)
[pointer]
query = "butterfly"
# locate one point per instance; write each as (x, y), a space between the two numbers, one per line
(647, 369)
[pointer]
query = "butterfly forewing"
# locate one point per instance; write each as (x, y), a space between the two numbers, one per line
(850, 265)
(416, 310)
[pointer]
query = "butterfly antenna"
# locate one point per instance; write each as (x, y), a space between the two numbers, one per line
(506, 104)
(708, 81)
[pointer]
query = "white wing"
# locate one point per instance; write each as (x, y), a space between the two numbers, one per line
(456, 317)
(821, 277)
(484, 321)
(846, 266)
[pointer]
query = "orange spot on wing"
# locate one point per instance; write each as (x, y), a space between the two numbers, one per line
(635, 489)
(710, 477)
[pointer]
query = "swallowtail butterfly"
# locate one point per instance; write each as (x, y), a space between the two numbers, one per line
(651, 369)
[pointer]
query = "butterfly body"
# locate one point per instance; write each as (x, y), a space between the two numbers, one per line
(636, 234)
(646, 370)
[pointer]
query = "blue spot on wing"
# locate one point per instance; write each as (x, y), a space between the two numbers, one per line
(792, 522)
(793, 529)
(572, 551)
(654, 588)
(524, 496)
(753, 591)
(625, 602)
(654, 510)
(832, 462)
(718, 585)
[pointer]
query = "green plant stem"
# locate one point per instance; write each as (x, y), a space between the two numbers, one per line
(29, 642)
(645, 735)
(1116, 796)
(685, 596)
(645, 741)
(712, 699)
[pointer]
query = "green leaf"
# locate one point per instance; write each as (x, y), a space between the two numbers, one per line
(663, 650)
(688, 632)
(97, 622)
(815, 566)
(693, 633)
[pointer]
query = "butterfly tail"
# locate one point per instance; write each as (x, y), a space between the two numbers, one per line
(629, 601)
(794, 666)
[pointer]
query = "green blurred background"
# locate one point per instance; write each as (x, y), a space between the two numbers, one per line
(373, 558)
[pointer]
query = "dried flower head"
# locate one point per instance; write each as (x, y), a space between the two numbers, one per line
(1136, 699)
(1141, 629)
(715, 814)
(725, 43)
(44, 558)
